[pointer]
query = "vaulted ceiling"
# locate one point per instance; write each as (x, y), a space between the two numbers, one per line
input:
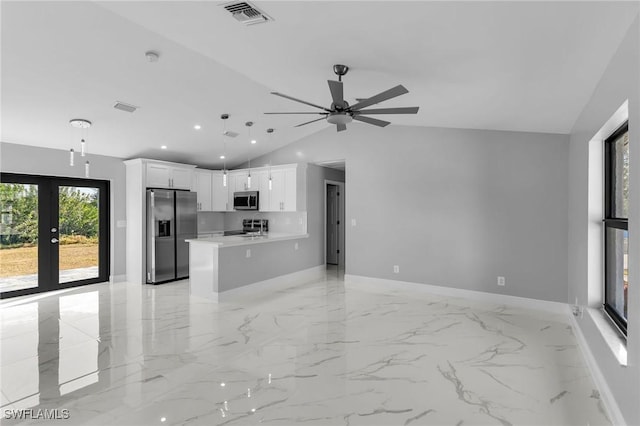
(523, 66)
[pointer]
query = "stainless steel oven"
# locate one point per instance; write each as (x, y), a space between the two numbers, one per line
(245, 200)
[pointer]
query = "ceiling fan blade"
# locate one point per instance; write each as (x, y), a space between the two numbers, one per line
(336, 92)
(299, 100)
(341, 127)
(387, 94)
(402, 110)
(310, 112)
(312, 121)
(369, 120)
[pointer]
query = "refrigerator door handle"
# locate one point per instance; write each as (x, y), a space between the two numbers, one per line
(151, 222)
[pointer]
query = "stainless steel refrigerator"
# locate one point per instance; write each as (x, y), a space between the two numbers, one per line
(171, 219)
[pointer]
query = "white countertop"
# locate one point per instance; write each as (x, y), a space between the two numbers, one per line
(241, 240)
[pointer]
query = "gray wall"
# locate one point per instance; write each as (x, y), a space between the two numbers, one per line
(452, 207)
(618, 84)
(54, 162)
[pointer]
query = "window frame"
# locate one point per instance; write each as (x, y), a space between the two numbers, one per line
(610, 220)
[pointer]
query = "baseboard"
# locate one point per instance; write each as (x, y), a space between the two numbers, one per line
(276, 283)
(381, 284)
(117, 278)
(609, 402)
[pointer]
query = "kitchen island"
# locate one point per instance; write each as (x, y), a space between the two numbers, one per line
(221, 263)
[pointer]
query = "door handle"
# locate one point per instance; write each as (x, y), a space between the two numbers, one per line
(54, 240)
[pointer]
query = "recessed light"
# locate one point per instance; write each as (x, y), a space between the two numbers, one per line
(163, 147)
(222, 384)
(253, 141)
(197, 127)
(222, 157)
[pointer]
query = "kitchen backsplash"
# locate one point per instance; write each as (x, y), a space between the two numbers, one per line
(210, 221)
(290, 222)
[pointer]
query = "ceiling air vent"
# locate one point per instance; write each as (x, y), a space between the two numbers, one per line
(125, 107)
(247, 13)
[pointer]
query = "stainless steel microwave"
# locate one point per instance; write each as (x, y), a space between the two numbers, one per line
(246, 200)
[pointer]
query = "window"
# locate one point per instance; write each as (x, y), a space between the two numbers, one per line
(616, 226)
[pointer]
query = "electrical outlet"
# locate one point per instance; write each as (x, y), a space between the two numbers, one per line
(295, 246)
(301, 221)
(396, 269)
(248, 253)
(501, 281)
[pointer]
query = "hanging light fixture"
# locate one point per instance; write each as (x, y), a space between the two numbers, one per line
(83, 125)
(86, 169)
(270, 132)
(224, 118)
(249, 124)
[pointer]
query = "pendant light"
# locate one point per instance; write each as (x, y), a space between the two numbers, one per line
(86, 169)
(270, 132)
(249, 124)
(83, 125)
(224, 118)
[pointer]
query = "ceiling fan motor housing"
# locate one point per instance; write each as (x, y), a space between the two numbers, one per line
(339, 118)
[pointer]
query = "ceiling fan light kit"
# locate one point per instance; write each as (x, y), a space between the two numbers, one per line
(341, 113)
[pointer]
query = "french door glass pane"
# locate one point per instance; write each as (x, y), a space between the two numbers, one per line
(617, 270)
(620, 177)
(79, 233)
(18, 236)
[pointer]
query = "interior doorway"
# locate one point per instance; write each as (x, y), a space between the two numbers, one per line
(334, 224)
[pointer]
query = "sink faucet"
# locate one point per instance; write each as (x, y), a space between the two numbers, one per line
(253, 221)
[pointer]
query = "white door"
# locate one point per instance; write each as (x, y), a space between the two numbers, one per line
(333, 224)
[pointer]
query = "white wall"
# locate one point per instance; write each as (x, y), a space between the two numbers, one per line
(452, 207)
(618, 84)
(54, 162)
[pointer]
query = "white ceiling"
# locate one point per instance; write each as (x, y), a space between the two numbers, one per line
(521, 66)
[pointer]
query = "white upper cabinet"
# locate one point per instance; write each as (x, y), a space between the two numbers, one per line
(283, 193)
(164, 175)
(220, 194)
(202, 184)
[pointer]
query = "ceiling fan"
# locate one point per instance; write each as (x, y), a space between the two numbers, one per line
(340, 113)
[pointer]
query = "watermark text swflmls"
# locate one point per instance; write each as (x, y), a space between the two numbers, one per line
(37, 414)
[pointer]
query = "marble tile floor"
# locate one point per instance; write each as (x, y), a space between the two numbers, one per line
(313, 354)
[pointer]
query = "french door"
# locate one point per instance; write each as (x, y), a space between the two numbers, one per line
(54, 233)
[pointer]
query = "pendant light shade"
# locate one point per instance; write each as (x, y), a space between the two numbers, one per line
(83, 125)
(270, 132)
(249, 124)
(224, 178)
